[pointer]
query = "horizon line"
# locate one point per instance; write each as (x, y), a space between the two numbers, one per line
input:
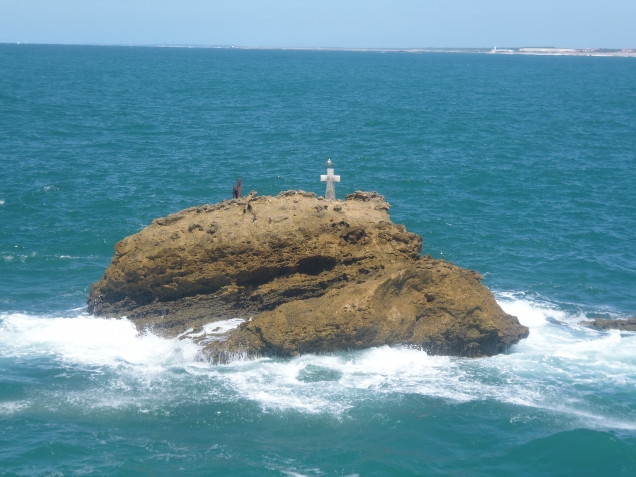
(541, 50)
(270, 47)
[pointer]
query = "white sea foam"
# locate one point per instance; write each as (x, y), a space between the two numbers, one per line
(560, 368)
(7, 257)
(12, 407)
(86, 340)
(223, 326)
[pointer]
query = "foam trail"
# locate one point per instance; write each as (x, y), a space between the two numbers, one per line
(557, 369)
(562, 368)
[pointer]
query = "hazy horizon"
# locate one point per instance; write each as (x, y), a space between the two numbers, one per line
(347, 24)
(334, 48)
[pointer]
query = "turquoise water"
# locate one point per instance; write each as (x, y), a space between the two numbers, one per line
(522, 168)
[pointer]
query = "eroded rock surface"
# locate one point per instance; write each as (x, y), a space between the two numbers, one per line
(307, 275)
(610, 324)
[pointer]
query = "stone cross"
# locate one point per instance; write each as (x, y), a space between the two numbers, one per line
(330, 178)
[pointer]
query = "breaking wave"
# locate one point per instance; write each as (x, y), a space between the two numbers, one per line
(561, 368)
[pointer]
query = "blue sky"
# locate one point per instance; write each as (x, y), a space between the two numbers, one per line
(325, 23)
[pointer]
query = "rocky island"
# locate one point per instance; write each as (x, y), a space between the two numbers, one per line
(292, 274)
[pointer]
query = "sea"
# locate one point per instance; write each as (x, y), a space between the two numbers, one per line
(520, 167)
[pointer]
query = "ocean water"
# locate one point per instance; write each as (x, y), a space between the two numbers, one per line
(522, 168)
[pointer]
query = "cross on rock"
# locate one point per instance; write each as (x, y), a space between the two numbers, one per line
(330, 178)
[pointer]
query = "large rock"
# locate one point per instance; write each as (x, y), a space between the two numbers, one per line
(307, 275)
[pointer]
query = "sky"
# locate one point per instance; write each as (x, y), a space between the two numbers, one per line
(323, 23)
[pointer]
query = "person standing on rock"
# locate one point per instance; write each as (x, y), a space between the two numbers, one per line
(237, 189)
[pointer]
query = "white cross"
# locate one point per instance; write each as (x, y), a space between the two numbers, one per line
(330, 178)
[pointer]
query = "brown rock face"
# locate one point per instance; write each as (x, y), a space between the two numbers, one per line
(313, 276)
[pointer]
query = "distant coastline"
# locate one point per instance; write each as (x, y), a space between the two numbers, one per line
(540, 51)
(533, 51)
(626, 52)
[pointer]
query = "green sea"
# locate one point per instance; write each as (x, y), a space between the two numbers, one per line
(520, 167)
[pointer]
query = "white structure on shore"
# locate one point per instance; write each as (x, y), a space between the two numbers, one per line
(501, 50)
